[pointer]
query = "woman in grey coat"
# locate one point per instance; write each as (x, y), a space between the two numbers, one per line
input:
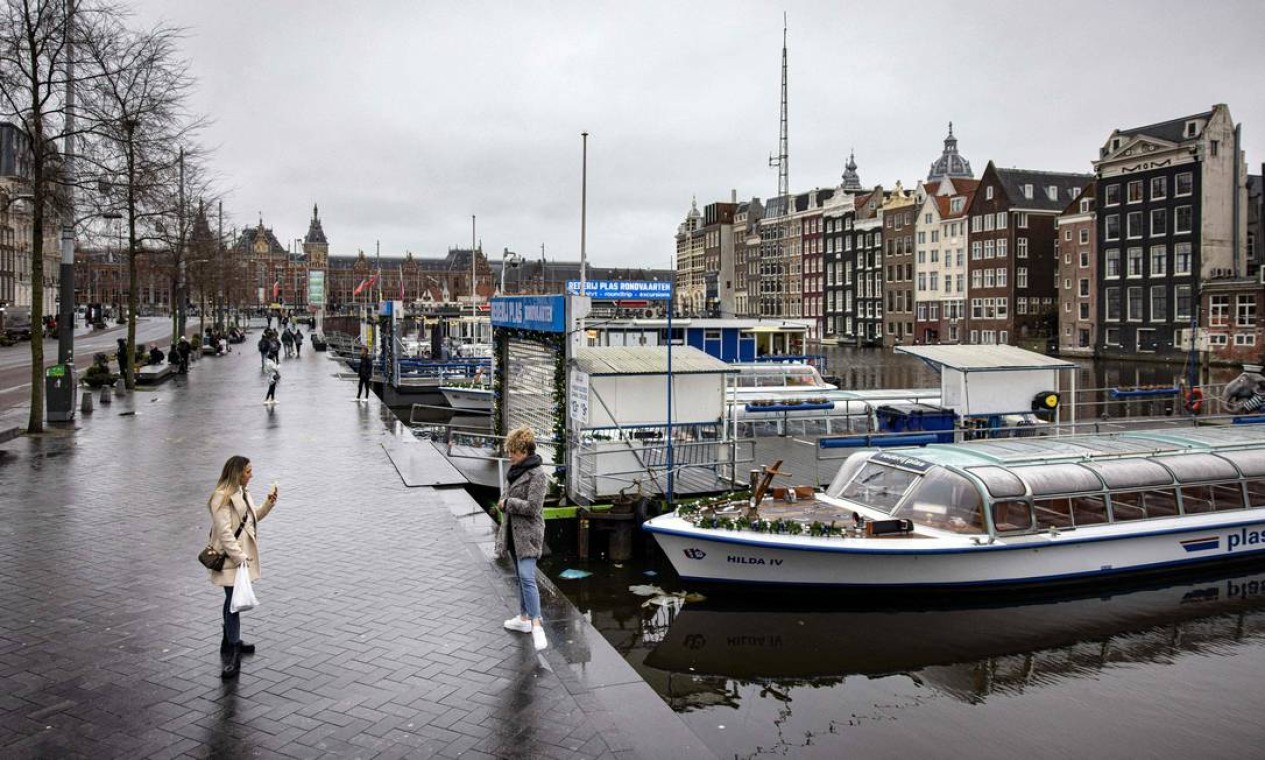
(522, 531)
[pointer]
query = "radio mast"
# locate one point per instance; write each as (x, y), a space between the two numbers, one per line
(781, 160)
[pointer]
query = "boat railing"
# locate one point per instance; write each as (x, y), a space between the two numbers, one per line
(1140, 401)
(603, 468)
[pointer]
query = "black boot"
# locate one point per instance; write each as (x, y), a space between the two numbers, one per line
(242, 646)
(231, 660)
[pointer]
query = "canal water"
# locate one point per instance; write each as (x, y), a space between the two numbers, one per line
(1145, 670)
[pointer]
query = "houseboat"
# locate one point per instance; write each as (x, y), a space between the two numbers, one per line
(1002, 512)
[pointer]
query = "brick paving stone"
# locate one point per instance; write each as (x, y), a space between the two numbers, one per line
(379, 632)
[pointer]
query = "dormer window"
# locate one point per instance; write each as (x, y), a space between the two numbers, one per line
(1192, 128)
(1084, 205)
(1115, 143)
(988, 193)
(1027, 191)
(1053, 192)
(955, 205)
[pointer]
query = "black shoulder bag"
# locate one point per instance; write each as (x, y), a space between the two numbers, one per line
(212, 559)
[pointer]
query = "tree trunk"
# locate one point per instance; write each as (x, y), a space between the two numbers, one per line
(35, 420)
(132, 278)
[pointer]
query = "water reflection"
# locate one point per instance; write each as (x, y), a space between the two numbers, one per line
(697, 653)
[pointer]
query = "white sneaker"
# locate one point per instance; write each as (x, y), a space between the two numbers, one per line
(518, 624)
(538, 638)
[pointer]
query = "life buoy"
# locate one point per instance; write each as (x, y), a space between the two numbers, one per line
(1194, 400)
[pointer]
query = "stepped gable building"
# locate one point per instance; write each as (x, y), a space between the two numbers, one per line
(899, 215)
(940, 265)
(950, 163)
(1077, 248)
(1172, 228)
(839, 216)
(1011, 266)
(863, 284)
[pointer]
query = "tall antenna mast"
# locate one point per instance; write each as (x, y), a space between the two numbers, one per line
(781, 160)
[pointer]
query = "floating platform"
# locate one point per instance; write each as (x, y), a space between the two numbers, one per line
(420, 463)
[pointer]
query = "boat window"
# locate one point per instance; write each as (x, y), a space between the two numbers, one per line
(1197, 500)
(1053, 513)
(945, 500)
(1131, 473)
(1058, 478)
(1250, 463)
(849, 468)
(879, 486)
(1089, 510)
(1141, 505)
(1012, 516)
(1227, 496)
(1197, 467)
(999, 481)
(1256, 493)
(770, 381)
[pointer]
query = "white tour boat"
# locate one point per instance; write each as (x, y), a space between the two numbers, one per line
(470, 396)
(1006, 512)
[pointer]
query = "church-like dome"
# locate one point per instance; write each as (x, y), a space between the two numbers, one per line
(851, 181)
(950, 163)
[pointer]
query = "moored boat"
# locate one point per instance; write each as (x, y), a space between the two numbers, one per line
(1012, 512)
(471, 396)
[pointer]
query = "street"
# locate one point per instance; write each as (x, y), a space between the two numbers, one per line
(15, 361)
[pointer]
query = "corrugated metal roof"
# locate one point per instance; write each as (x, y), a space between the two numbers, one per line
(984, 358)
(647, 360)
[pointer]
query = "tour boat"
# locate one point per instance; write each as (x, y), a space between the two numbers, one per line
(1003, 512)
(474, 396)
(773, 379)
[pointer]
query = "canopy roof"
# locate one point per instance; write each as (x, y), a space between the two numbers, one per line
(984, 358)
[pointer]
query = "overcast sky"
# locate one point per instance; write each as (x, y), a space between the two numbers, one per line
(402, 119)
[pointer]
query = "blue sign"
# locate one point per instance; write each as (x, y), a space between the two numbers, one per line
(544, 313)
(622, 290)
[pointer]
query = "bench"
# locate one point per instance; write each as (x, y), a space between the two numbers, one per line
(152, 374)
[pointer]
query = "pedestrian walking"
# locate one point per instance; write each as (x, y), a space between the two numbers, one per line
(298, 342)
(364, 371)
(265, 348)
(125, 366)
(287, 339)
(522, 531)
(235, 534)
(274, 375)
(184, 348)
(274, 348)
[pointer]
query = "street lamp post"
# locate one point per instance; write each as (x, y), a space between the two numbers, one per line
(508, 258)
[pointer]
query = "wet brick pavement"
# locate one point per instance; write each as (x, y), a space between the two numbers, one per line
(379, 633)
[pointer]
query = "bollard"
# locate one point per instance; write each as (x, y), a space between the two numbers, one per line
(85, 406)
(105, 396)
(120, 388)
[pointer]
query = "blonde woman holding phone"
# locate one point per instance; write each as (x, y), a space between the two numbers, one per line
(234, 533)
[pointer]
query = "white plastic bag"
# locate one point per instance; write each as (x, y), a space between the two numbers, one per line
(243, 594)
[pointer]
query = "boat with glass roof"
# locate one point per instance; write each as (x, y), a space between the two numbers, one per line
(1004, 512)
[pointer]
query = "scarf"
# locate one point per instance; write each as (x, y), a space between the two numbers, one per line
(517, 470)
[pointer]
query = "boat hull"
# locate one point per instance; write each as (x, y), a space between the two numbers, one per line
(470, 399)
(912, 563)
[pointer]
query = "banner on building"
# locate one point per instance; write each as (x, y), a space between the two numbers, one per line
(622, 290)
(316, 287)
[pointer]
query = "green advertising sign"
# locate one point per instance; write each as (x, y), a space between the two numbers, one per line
(57, 370)
(316, 287)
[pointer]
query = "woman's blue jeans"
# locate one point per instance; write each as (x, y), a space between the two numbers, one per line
(528, 593)
(233, 620)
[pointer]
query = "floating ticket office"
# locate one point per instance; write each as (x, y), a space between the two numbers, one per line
(600, 413)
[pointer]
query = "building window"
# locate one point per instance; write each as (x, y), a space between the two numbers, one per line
(1112, 261)
(1112, 227)
(1159, 303)
(990, 278)
(1083, 287)
(1084, 311)
(1159, 260)
(1146, 339)
(1112, 336)
(1134, 191)
(1135, 262)
(1021, 247)
(1112, 196)
(1021, 277)
(1001, 220)
(1159, 188)
(1181, 258)
(1021, 305)
(1134, 304)
(1021, 220)
(1181, 303)
(1183, 220)
(1185, 184)
(976, 278)
(988, 193)
(1159, 222)
(1244, 339)
(1084, 254)
(1001, 277)
(977, 249)
(1113, 304)
(1001, 248)
(1134, 224)
(988, 249)
(1245, 311)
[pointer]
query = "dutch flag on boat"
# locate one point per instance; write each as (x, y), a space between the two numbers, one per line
(1202, 544)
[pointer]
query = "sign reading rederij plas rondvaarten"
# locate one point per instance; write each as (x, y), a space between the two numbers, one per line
(622, 290)
(544, 313)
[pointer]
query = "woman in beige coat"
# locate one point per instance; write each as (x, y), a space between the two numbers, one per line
(231, 506)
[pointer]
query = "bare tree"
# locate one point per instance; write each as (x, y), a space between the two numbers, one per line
(34, 53)
(136, 111)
